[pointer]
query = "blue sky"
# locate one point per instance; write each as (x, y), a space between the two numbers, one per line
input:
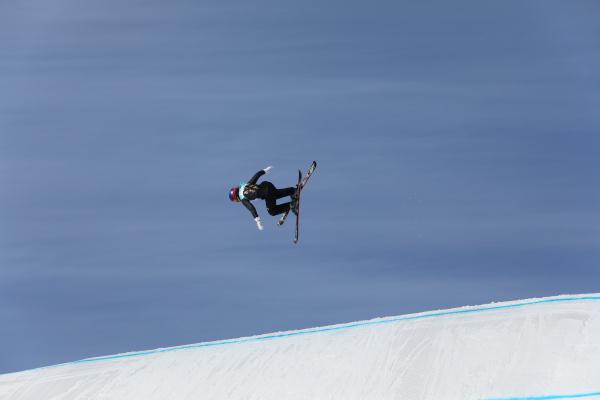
(458, 164)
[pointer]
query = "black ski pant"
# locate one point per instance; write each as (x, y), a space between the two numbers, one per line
(271, 194)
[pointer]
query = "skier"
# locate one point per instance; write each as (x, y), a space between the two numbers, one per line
(246, 192)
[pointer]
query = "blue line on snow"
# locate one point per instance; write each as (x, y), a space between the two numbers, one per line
(552, 397)
(335, 328)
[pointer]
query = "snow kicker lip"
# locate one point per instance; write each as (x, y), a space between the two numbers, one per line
(352, 325)
(550, 397)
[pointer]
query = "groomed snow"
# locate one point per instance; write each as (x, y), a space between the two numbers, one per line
(531, 349)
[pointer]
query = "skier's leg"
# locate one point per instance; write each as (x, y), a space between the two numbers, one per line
(291, 191)
(276, 209)
(285, 192)
(271, 194)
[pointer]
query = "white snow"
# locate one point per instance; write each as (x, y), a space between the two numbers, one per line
(536, 349)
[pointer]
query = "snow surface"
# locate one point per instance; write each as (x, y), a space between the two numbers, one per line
(530, 349)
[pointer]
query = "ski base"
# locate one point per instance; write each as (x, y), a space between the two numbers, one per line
(285, 215)
(299, 186)
(310, 171)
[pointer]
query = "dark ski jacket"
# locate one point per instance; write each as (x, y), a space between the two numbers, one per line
(252, 191)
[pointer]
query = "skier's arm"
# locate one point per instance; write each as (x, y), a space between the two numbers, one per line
(257, 175)
(260, 173)
(250, 207)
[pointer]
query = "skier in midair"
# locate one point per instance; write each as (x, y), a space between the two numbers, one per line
(246, 192)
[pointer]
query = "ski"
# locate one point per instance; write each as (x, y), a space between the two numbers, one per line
(285, 214)
(301, 182)
(310, 171)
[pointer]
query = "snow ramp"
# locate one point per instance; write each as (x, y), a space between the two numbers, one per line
(530, 349)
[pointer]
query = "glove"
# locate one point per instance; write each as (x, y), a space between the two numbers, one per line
(259, 223)
(268, 169)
